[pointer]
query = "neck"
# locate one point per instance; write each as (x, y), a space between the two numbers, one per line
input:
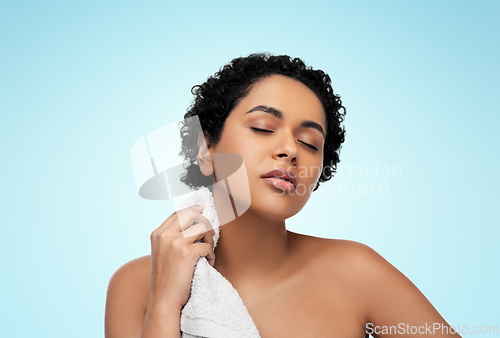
(251, 250)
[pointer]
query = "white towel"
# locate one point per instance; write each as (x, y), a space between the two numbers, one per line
(214, 308)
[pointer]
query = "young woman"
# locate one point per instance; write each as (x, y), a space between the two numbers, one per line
(275, 113)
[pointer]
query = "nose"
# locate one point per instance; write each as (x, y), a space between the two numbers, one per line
(285, 147)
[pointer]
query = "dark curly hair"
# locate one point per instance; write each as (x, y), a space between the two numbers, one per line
(216, 98)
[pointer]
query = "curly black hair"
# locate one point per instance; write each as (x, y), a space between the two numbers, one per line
(216, 98)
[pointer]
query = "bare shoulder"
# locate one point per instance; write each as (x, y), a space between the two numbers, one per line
(337, 271)
(370, 285)
(360, 263)
(127, 297)
(340, 253)
(354, 268)
(132, 278)
(347, 264)
(135, 265)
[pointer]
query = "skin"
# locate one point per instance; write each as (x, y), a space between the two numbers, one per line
(293, 285)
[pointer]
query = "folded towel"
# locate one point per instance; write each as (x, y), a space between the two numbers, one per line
(214, 308)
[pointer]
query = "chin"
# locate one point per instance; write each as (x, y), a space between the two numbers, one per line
(276, 208)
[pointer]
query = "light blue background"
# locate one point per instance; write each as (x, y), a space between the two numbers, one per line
(80, 82)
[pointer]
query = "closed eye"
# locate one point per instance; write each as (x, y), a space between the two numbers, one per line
(270, 131)
(261, 130)
(309, 145)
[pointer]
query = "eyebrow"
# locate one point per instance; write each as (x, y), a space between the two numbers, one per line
(277, 113)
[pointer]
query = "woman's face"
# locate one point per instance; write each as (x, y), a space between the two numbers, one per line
(292, 126)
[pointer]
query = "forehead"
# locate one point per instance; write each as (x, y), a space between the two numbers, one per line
(290, 96)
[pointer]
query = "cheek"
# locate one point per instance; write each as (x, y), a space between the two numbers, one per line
(228, 143)
(317, 169)
(317, 172)
(311, 173)
(247, 149)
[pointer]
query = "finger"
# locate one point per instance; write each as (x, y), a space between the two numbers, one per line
(164, 225)
(205, 250)
(196, 232)
(208, 238)
(211, 258)
(195, 209)
(188, 218)
(198, 208)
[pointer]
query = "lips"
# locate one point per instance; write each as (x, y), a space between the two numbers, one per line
(283, 175)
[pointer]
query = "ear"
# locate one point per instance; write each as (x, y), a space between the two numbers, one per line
(204, 155)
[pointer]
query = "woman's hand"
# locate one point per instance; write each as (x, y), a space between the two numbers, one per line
(174, 255)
